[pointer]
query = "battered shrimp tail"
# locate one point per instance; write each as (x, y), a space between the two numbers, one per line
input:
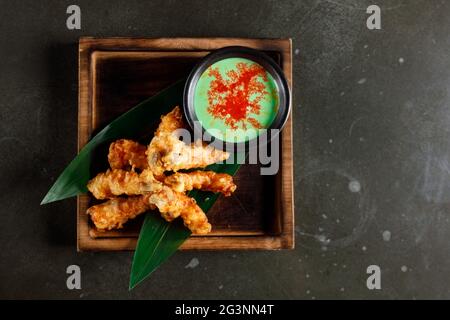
(117, 182)
(113, 213)
(124, 154)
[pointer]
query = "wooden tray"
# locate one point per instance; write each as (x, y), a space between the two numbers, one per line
(117, 73)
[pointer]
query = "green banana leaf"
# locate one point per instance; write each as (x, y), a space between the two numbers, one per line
(158, 239)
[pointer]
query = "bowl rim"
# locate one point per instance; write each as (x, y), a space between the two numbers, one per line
(257, 56)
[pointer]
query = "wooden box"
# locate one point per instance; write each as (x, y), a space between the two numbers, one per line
(117, 73)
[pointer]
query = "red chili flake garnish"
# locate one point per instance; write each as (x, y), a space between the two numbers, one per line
(238, 97)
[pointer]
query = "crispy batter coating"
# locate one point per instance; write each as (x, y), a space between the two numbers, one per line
(152, 189)
(203, 180)
(155, 151)
(170, 122)
(195, 219)
(113, 213)
(125, 153)
(179, 155)
(166, 152)
(173, 204)
(154, 155)
(117, 182)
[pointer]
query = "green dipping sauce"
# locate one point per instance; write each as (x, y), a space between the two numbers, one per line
(236, 98)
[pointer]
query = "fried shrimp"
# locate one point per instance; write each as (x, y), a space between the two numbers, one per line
(170, 122)
(155, 151)
(166, 152)
(151, 189)
(125, 154)
(118, 182)
(203, 180)
(179, 155)
(113, 213)
(173, 204)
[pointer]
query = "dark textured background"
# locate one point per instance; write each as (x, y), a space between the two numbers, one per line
(370, 108)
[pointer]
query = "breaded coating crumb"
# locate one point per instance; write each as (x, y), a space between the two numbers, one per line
(113, 213)
(125, 154)
(151, 189)
(173, 204)
(118, 182)
(202, 180)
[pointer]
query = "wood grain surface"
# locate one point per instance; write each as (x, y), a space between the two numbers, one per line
(117, 73)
